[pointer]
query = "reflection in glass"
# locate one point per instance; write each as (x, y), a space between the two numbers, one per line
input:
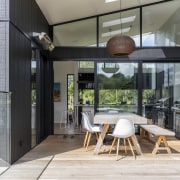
(110, 67)
(160, 27)
(118, 88)
(149, 89)
(161, 89)
(111, 25)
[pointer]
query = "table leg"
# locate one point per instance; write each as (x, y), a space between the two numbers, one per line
(101, 138)
(136, 145)
(142, 134)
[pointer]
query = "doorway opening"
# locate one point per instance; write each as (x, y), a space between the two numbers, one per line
(70, 92)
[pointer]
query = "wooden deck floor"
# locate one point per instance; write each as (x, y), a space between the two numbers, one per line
(60, 157)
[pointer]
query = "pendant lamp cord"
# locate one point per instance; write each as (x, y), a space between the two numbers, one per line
(120, 16)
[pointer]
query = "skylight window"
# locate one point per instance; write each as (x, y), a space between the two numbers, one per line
(112, 33)
(119, 21)
(109, 1)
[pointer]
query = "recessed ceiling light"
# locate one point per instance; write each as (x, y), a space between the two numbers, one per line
(109, 1)
(119, 21)
(112, 33)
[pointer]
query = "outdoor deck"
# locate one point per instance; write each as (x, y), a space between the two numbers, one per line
(60, 157)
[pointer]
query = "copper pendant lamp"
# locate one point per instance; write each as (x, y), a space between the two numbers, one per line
(120, 44)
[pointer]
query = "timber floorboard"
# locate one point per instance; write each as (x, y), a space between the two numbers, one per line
(63, 157)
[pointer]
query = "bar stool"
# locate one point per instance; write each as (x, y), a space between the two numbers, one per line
(67, 117)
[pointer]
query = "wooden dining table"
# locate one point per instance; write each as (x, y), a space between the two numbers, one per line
(108, 118)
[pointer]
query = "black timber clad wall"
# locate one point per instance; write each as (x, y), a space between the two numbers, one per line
(26, 15)
(25, 18)
(49, 89)
(20, 85)
(48, 92)
(45, 110)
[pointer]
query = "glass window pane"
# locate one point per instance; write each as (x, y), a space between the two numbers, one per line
(161, 89)
(126, 22)
(86, 64)
(117, 85)
(80, 33)
(161, 24)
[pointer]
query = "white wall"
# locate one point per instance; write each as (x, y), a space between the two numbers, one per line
(61, 69)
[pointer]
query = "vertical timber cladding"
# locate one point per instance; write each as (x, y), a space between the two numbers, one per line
(25, 18)
(20, 86)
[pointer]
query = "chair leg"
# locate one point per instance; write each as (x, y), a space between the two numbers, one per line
(131, 148)
(117, 151)
(88, 140)
(125, 149)
(85, 139)
(97, 135)
(114, 140)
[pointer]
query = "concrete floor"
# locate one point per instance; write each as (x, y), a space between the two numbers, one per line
(63, 157)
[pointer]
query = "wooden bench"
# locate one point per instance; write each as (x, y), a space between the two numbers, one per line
(160, 133)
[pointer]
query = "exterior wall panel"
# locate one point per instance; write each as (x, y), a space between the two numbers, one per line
(4, 9)
(25, 18)
(4, 56)
(20, 86)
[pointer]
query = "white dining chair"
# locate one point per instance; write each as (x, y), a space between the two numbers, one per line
(90, 129)
(90, 115)
(124, 129)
